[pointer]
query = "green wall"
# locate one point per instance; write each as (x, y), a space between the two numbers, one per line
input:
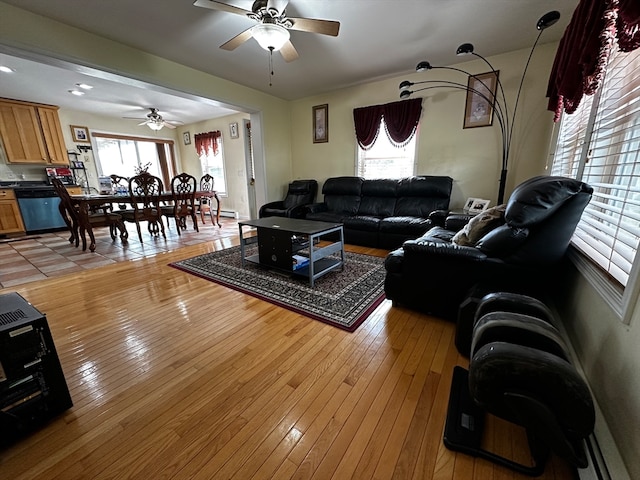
(469, 156)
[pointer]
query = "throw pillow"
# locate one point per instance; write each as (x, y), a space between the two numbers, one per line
(479, 226)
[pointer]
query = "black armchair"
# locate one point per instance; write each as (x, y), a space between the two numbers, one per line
(520, 252)
(299, 194)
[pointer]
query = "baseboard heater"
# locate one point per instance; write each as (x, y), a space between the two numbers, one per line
(229, 214)
(597, 469)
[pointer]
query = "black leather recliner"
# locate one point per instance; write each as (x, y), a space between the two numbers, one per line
(433, 274)
(299, 194)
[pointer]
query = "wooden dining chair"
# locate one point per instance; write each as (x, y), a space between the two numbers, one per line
(204, 203)
(183, 191)
(144, 196)
(81, 221)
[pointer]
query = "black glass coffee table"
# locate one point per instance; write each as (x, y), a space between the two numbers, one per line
(293, 245)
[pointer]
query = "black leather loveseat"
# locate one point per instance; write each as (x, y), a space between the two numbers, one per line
(382, 213)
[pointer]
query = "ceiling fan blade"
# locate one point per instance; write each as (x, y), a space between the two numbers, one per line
(238, 40)
(168, 125)
(143, 123)
(325, 27)
(289, 52)
(215, 5)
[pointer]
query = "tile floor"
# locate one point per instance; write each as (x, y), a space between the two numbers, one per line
(36, 257)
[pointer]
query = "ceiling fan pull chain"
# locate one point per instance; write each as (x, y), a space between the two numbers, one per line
(270, 65)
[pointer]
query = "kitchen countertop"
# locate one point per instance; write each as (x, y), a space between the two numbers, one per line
(29, 184)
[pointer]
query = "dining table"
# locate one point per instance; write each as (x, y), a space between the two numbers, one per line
(87, 203)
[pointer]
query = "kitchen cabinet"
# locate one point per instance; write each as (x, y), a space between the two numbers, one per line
(10, 218)
(31, 133)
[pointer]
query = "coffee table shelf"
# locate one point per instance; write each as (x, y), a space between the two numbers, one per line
(276, 248)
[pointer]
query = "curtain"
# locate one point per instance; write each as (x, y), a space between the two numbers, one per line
(400, 119)
(585, 48)
(367, 123)
(207, 143)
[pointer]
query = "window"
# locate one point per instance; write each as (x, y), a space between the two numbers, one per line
(210, 152)
(390, 154)
(386, 160)
(120, 155)
(600, 144)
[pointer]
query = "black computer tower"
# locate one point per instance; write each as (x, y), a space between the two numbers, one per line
(32, 386)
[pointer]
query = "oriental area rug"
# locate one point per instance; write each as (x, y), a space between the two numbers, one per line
(342, 298)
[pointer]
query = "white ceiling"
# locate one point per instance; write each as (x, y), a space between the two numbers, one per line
(378, 39)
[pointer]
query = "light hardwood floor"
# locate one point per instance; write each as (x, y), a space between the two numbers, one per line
(176, 377)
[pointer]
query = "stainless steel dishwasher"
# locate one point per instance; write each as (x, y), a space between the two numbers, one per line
(39, 208)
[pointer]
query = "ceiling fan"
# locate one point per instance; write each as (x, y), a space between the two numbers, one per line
(272, 29)
(155, 121)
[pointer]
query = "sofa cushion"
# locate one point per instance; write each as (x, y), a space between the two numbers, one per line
(362, 222)
(405, 225)
(378, 197)
(479, 226)
(419, 196)
(377, 206)
(332, 217)
(343, 186)
(342, 194)
(437, 235)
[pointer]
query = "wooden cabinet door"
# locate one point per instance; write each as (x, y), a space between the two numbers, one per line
(53, 138)
(21, 134)
(10, 217)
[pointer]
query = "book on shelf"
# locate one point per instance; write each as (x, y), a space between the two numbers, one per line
(299, 261)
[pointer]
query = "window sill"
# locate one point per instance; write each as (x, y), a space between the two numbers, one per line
(620, 301)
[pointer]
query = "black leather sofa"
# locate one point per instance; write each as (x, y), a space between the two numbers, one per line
(521, 254)
(382, 213)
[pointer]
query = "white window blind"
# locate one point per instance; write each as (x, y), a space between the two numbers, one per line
(385, 160)
(607, 156)
(571, 141)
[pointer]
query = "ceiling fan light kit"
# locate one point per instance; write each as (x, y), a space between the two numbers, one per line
(498, 101)
(270, 36)
(155, 121)
(154, 125)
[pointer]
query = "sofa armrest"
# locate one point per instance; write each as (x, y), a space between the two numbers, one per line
(438, 217)
(457, 221)
(277, 204)
(316, 207)
(434, 250)
(299, 211)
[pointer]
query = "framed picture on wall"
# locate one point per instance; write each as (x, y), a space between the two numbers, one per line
(233, 130)
(321, 123)
(186, 136)
(80, 134)
(481, 94)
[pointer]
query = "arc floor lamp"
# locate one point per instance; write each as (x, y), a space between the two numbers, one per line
(505, 115)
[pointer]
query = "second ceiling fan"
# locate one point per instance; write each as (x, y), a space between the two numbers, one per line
(272, 29)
